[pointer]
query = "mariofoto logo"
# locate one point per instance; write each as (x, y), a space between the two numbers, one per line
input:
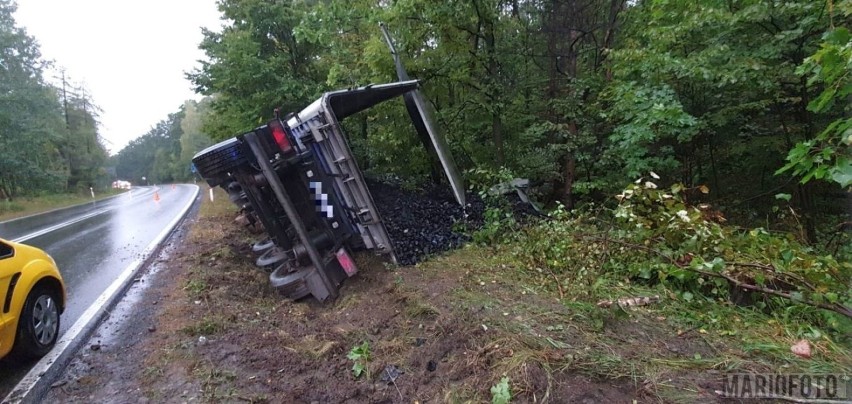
(777, 385)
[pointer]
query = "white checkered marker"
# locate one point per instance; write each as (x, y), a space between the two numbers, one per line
(321, 200)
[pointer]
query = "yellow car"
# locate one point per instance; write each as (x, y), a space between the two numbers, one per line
(32, 296)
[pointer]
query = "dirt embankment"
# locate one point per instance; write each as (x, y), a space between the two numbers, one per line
(206, 327)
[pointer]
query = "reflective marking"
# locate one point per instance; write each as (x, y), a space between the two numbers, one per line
(58, 226)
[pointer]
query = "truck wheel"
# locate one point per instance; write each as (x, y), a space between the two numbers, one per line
(289, 283)
(261, 246)
(271, 257)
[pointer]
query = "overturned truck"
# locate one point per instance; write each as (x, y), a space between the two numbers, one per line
(299, 178)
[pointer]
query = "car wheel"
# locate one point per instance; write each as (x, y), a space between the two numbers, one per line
(38, 325)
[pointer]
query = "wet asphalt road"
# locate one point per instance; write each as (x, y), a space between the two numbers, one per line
(92, 244)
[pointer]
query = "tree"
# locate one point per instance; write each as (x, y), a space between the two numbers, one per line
(152, 155)
(193, 139)
(30, 120)
(256, 64)
(85, 154)
(826, 156)
(580, 96)
(732, 67)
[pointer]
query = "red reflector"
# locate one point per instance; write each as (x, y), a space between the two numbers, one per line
(281, 138)
(346, 262)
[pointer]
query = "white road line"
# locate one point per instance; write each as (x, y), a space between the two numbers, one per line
(107, 199)
(58, 226)
(59, 356)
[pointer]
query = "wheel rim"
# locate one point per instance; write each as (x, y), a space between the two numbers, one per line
(45, 319)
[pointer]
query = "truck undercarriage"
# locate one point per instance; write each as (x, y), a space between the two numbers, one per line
(298, 176)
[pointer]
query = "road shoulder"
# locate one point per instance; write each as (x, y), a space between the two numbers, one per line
(108, 365)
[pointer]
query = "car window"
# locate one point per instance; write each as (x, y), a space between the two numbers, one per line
(6, 250)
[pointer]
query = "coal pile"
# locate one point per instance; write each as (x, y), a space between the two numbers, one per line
(427, 222)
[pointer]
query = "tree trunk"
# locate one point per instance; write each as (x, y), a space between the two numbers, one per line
(569, 172)
(493, 94)
(710, 145)
(364, 128)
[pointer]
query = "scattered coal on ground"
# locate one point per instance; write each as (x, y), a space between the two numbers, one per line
(425, 222)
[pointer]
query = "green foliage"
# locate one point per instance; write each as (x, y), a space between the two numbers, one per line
(650, 123)
(703, 92)
(164, 154)
(654, 236)
(501, 393)
(192, 139)
(47, 147)
(732, 69)
(827, 155)
(663, 215)
(499, 221)
(153, 155)
(360, 354)
(256, 64)
(82, 149)
(30, 118)
(9, 207)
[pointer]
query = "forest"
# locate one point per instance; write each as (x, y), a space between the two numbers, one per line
(747, 98)
(50, 136)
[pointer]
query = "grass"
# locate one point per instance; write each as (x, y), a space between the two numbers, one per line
(219, 207)
(513, 320)
(27, 206)
(669, 348)
(206, 326)
(215, 382)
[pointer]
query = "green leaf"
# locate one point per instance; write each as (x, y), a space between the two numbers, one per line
(501, 392)
(687, 296)
(842, 174)
(785, 197)
(839, 36)
(357, 369)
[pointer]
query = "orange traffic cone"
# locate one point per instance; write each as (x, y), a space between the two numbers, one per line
(156, 196)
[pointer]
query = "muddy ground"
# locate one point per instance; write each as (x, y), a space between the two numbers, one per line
(201, 325)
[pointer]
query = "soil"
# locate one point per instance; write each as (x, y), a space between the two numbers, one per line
(202, 325)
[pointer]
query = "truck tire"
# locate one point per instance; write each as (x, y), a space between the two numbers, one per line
(289, 283)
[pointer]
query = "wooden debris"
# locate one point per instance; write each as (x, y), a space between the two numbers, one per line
(625, 302)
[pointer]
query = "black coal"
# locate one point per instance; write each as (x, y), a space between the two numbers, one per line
(425, 222)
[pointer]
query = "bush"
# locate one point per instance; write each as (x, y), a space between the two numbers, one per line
(654, 236)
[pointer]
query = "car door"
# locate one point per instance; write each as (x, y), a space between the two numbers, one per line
(9, 273)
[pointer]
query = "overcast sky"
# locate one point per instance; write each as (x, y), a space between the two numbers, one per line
(131, 56)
